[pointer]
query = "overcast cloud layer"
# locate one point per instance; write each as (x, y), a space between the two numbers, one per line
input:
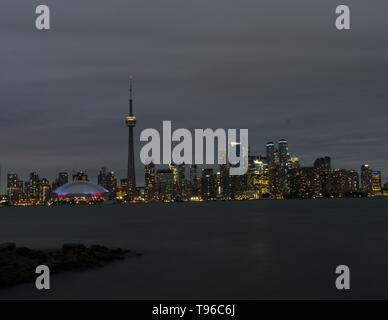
(276, 67)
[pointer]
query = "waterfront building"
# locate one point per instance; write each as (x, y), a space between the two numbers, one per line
(366, 179)
(303, 182)
(61, 180)
(150, 181)
(108, 180)
(376, 183)
(208, 184)
(165, 185)
(44, 191)
(14, 189)
(322, 169)
(270, 149)
(283, 153)
(33, 188)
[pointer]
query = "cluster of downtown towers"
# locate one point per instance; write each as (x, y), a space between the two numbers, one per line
(277, 175)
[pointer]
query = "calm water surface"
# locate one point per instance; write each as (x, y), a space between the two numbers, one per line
(220, 250)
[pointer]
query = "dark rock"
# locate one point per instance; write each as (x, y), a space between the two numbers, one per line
(18, 264)
(9, 246)
(73, 247)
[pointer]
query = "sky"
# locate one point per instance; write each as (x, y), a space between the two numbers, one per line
(279, 68)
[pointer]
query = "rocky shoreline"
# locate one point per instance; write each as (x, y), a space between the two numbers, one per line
(18, 264)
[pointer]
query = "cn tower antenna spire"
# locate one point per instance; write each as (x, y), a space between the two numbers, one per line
(130, 97)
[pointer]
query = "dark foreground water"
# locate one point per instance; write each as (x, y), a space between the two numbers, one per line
(231, 250)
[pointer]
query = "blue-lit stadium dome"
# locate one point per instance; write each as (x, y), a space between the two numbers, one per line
(84, 189)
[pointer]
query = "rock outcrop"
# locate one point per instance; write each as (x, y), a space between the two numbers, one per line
(18, 264)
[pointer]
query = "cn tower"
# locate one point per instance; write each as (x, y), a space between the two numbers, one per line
(131, 123)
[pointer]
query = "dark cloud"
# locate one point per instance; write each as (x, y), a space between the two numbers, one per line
(276, 67)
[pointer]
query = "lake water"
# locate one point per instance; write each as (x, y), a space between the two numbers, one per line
(214, 250)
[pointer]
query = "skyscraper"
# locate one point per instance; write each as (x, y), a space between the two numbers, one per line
(376, 182)
(33, 188)
(208, 184)
(322, 168)
(131, 123)
(44, 191)
(14, 188)
(108, 180)
(283, 153)
(366, 179)
(271, 154)
(150, 181)
(63, 178)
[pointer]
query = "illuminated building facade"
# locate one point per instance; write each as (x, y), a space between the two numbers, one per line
(208, 184)
(14, 189)
(63, 178)
(80, 192)
(165, 185)
(33, 188)
(270, 149)
(322, 167)
(376, 182)
(150, 181)
(108, 180)
(366, 179)
(303, 183)
(44, 191)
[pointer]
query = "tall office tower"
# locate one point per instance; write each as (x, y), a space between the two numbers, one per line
(111, 184)
(193, 173)
(80, 176)
(14, 188)
(208, 184)
(353, 181)
(270, 148)
(44, 191)
(179, 179)
(225, 181)
(131, 123)
(376, 183)
(165, 185)
(283, 163)
(108, 180)
(63, 178)
(194, 181)
(150, 181)
(322, 169)
(101, 178)
(33, 188)
(218, 186)
(283, 153)
(258, 175)
(366, 179)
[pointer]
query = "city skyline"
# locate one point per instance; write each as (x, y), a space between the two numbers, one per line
(323, 90)
(283, 160)
(276, 175)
